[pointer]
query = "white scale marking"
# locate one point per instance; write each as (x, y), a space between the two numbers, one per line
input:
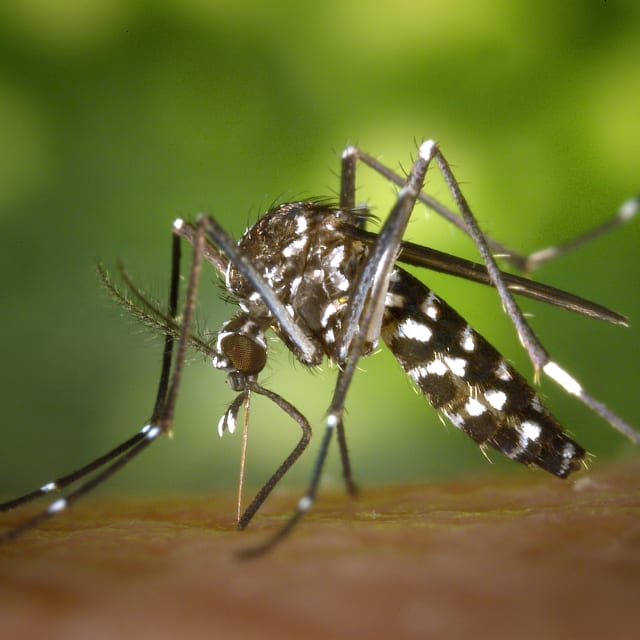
(458, 366)
(339, 281)
(474, 408)
(294, 248)
(468, 342)
(413, 330)
(495, 398)
(329, 311)
(269, 274)
(394, 300)
(57, 506)
(227, 275)
(418, 373)
(536, 404)
(427, 150)
(530, 430)
(221, 425)
(222, 336)
(336, 257)
(437, 368)
(502, 371)
(295, 283)
(153, 433)
(227, 423)
(456, 419)
(567, 454)
(349, 151)
(231, 422)
(571, 385)
(301, 224)
(429, 306)
(629, 209)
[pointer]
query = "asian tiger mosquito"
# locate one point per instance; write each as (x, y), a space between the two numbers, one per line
(326, 286)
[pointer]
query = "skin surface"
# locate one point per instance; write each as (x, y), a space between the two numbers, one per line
(525, 556)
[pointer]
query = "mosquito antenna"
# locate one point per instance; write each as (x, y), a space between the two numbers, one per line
(150, 315)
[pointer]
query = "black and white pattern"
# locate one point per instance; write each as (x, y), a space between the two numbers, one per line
(466, 379)
(458, 371)
(311, 273)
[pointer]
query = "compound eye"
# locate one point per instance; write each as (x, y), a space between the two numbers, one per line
(246, 354)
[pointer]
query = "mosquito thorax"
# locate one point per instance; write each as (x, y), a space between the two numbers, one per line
(305, 253)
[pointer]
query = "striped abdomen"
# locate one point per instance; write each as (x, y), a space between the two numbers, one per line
(466, 379)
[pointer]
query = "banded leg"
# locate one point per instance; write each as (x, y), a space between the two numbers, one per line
(537, 353)
(524, 263)
(159, 423)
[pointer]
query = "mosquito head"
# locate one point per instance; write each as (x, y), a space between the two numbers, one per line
(241, 348)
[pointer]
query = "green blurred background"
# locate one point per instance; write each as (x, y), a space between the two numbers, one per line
(117, 116)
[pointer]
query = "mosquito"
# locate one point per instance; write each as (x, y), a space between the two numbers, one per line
(310, 272)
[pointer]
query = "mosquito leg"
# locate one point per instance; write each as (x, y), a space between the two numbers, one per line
(426, 199)
(348, 178)
(119, 455)
(349, 162)
(625, 213)
(304, 504)
(64, 481)
(164, 411)
(188, 231)
(524, 263)
(371, 285)
(268, 486)
(148, 435)
(167, 353)
(363, 322)
(538, 355)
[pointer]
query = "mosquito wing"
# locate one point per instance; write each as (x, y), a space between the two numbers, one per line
(435, 260)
